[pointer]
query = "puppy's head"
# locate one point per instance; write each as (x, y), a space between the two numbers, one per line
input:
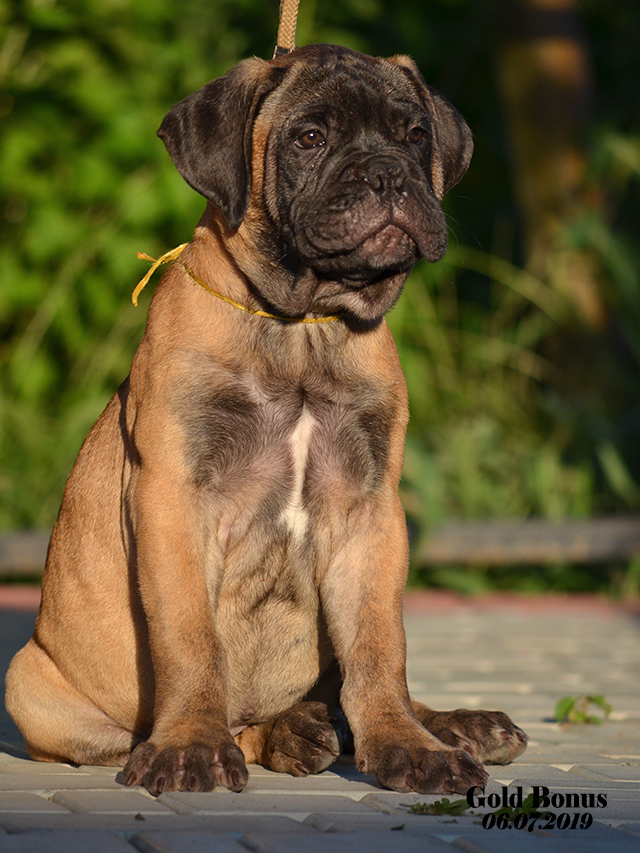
(331, 166)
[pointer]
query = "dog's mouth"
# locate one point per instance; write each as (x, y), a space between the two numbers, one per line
(392, 245)
(357, 250)
(390, 242)
(361, 237)
(389, 249)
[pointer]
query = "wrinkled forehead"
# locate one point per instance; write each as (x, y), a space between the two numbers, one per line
(365, 91)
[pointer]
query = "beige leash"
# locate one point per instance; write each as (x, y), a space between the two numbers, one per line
(286, 40)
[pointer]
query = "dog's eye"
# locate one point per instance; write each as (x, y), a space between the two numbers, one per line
(310, 139)
(417, 135)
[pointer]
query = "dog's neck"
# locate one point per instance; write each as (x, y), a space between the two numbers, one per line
(253, 258)
(262, 276)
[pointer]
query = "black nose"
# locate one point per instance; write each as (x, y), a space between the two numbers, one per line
(383, 175)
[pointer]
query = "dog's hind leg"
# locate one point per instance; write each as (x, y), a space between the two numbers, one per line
(57, 722)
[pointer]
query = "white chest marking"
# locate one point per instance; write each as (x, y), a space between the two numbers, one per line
(294, 514)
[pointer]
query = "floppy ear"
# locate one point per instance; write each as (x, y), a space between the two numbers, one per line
(452, 142)
(208, 135)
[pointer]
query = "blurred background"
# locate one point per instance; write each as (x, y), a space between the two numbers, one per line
(521, 348)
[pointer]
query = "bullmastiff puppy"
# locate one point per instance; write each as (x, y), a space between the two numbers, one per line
(225, 577)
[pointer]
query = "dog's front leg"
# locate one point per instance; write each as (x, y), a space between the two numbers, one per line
(190, 747)
(362, 601)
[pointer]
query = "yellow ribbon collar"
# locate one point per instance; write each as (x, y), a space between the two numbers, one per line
(174, 254)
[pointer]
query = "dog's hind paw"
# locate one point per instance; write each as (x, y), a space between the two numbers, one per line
(197, 767)
(305, 739)
(489, 736)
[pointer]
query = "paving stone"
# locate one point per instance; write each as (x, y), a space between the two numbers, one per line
(6, 756)
(630, 826)
(11, 764)
(51, 782)
(403, 821)
(258, 770)
(550, 758)
(110, 802)
(624, 758)
(240, 822)
(613, 772)
(267, 803)
(338, 842)
(129, 823)
(390, 802)
(20, 802)
(186, 842)
(350, 783)
(542, 774)
(619, 810)
(573, 781)
(596, 839)
(66, 841)
(95, 770)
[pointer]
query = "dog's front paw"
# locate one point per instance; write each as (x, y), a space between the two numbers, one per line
(423, 770)
(197, 767)
(489, 736)
(305, 739)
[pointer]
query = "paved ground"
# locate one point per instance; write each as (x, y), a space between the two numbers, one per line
(519, 658)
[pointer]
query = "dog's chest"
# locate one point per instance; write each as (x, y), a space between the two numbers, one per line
(282, 455)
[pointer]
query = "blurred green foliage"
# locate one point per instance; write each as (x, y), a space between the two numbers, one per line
(499, 427)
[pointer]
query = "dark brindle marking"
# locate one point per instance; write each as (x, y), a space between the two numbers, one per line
(224, 580)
